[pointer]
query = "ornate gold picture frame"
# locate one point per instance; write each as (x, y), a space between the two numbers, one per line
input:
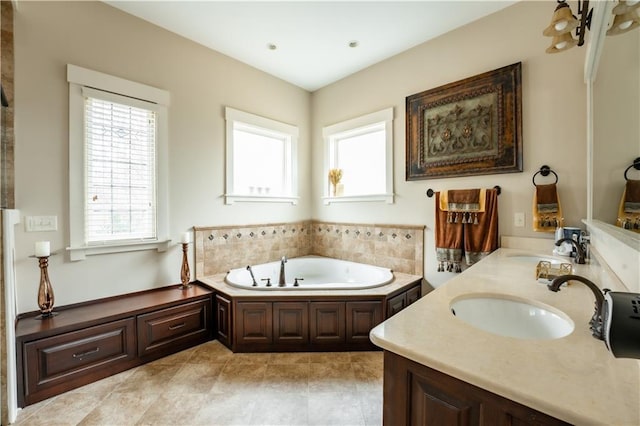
(470, 127)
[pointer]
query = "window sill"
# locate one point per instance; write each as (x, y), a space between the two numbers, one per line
(80, 253)
(388, 198)
(231, 199)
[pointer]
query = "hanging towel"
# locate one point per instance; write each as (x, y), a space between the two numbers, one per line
(629, 210)
(481, 239)
(547, 211)
(466, 224)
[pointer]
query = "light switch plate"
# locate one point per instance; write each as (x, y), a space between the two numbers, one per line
(40, 223)
(518, 219)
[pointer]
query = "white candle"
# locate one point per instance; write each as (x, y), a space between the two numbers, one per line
(186, 237)
(43, 249)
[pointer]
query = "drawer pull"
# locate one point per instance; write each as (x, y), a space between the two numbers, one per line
(177, 326)
(87, 353)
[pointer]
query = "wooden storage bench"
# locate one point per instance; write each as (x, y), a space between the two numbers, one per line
(93, 340)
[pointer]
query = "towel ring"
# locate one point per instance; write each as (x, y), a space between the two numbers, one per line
(544, 171)
(635, 165)
(430, 192)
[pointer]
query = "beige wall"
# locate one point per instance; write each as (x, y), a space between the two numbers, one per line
(92, 35)
(616, 122)
(48, 36)
(553, 116)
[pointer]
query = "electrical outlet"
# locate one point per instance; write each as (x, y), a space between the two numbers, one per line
(518, 219)
(40, 223)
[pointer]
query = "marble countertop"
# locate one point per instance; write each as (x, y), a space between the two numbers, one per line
(573, 378)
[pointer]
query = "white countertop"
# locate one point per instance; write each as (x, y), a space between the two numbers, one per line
(573, 378)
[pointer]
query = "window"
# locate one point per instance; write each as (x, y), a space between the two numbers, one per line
(361, 149)
(117, 163)
(261, 157)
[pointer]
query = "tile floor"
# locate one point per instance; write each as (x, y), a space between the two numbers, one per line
(210, 385)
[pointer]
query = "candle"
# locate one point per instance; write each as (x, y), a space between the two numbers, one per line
(43, 249)
(186, 237)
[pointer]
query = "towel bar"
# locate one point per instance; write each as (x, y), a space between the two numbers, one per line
(544, 171)
(430, 192)
(635, 165)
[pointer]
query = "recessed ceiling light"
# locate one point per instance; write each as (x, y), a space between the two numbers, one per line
(353, 43)
(271, 46)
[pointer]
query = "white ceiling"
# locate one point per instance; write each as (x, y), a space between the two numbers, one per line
(312, 38)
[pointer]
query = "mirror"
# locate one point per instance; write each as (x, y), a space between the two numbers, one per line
(616, 122)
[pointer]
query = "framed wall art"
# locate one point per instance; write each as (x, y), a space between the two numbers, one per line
(470, 127)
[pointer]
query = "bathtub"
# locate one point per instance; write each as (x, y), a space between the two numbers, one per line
(317, 273)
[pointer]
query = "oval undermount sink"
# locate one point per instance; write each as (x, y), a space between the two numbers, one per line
(512, 317)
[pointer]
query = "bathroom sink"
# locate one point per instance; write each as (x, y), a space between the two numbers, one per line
(512, 317)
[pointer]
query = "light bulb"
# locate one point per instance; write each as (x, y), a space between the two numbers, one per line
(561, 45)
(626, 24)
(561, 25)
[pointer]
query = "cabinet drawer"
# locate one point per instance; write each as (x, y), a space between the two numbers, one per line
(169, 328)
(414, 294)
(77, 356)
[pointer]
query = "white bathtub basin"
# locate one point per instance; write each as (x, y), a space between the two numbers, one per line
(512, 317)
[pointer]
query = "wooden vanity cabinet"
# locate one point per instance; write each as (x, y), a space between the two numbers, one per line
(223, 325)
(400, 301)
(326, 322)
(93, 340)
(361, 318)
(417, 395)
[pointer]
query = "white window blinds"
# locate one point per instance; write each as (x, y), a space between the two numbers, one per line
(120, 161)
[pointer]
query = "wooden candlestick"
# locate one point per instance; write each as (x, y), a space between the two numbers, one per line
(45, 291)
(185, 274)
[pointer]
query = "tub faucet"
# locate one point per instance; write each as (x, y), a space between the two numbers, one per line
(282, 280)
(255, 284)
(580, 258)
(595, 324)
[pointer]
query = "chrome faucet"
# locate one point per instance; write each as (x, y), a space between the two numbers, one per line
(282, 280)
(595, 324)
(580, 257)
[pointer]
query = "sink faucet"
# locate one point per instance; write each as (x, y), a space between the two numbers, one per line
(595, 324)
(282, 280)
(580, 258)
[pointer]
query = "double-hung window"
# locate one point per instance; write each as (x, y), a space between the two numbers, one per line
(117, 164)
(261, 159)
(361, 151)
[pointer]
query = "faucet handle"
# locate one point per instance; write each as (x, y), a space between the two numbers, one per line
(295, 281)
(268, 280)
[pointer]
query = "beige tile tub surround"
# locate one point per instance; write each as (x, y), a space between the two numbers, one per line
(220, 248)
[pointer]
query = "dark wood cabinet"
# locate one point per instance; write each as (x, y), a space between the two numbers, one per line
(417, 395)
(76, 357)
(93, 340)
(327, 322)
(174, 328)
(254, 323)
(291, 323)
(413, 294)
(223, 320)
(396, 304)
(361, 318)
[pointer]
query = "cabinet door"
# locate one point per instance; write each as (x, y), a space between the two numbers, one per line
(291, 322)
(396, 304)
(326, 322)
(223, 320)
(414, 294)
(361, 318)
(253, 322)
(56, 364)
(169, 329)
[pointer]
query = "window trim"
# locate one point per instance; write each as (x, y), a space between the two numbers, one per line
(233, 115)
(79, 77)
(352, 126)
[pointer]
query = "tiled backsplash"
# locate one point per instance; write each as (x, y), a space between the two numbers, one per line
(220, 248)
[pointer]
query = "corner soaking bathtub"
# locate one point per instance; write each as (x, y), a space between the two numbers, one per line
(313, 273)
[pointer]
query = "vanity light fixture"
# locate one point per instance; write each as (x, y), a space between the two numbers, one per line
(563, 22)
(625, 17)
